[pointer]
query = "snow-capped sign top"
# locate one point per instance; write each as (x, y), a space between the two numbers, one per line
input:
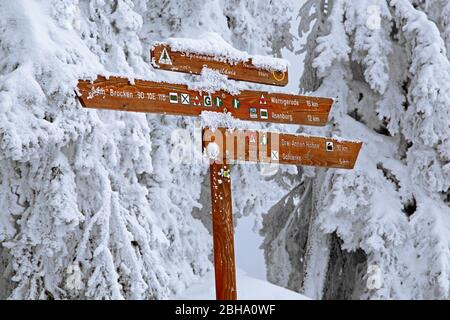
(211, 51)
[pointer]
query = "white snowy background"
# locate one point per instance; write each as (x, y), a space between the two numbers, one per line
(93, 205)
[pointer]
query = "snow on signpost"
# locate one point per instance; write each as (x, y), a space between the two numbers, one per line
(223, 145)
(192, 55)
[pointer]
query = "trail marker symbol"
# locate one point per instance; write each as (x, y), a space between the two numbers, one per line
(275, 155)
(165, 58)
(173, 97)
(197, 101)
(236, 103)
(262, 100)
(185, 98)
(116, 93)
(207, 101)
(218, 102)
(329, 146)
(264, 114)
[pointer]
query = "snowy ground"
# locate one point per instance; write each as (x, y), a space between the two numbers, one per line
(248, 289)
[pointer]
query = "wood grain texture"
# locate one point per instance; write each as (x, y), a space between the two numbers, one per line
(223, 233)
(194, 63)
(254, 146)
(118, 93)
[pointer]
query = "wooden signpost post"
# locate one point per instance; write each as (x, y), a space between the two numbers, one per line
(117, 93)
(165, 58)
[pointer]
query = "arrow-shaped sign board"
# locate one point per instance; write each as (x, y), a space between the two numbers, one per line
(163, 57)
(177, 99)
(279, 148)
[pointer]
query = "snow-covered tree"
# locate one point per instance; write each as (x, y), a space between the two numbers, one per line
(382, 230)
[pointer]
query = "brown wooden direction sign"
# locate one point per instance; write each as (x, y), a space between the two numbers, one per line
(118, 93)
(280, 148)
(163, 57)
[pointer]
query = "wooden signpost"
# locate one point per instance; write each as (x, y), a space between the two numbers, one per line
(163, 57)
(266, 147)
(176, 99)
(117, 93)
(281, 148)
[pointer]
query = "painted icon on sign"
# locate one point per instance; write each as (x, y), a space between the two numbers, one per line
(207, 101)
(275, 155)
(224, 173)
(197, 101)
(253, 113)
(165, 58)
(236, 103)
(252, 137)
(218, 102)
(330, 146)
(262, 100)
(264, 114)
(173, 97)
(279, 75)
(185, 98)
(263, 139)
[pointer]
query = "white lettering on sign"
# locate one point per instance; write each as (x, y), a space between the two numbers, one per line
(291, 157)
(284, 102)
(140, 95)
(312, 145)
(282, 116)
(285, 143)
(120, 94)
(263, 74)
(313, 118)
(224, 71)
(313, 104)
(341, 148)
(151, 96)
(298, 144)
(96, 92)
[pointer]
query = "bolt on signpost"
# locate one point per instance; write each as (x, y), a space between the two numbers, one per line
(117, 93)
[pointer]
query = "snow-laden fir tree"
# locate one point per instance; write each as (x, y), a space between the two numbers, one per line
(95, 204)
(381, 230)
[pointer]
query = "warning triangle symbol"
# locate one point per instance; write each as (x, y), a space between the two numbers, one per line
(165, 58)
(262, 100)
